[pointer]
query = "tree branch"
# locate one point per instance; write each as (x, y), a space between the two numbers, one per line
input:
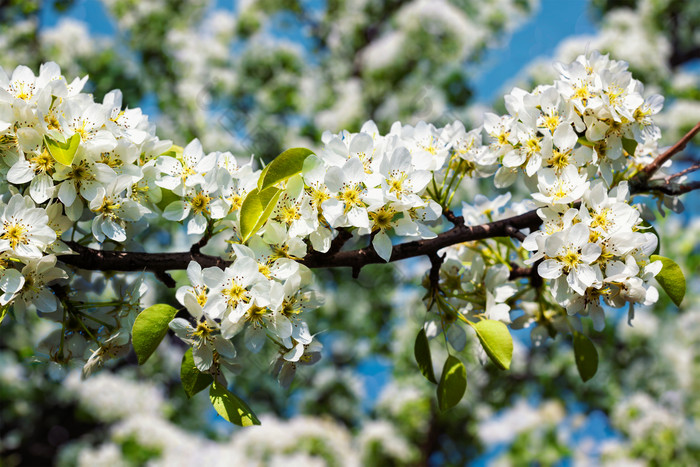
(673, 189)
(158, 263)
(646, 173)
(690, 169)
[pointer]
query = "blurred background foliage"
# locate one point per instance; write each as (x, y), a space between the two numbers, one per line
(256, 77)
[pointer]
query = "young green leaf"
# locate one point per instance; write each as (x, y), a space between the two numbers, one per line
(423, 358)
(671, 279)
(174, 151)
(453, 383)
(286, 165)
(150, 326)
(586, 356)
(256, 208)
(629, 145)
(64, 153)
(230, 407)
(193, 380)
(496, 341)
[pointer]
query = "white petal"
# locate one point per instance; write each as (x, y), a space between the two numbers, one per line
(382, 245)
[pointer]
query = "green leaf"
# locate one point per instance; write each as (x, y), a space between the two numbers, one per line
(64, 153)
(629, 145)
(256, 208)
(284, 166)
(230, 407)
(671, 279)
(586, 356)
(150, 326)
(453, 383)
(423, 358)
(167, 197)
(193, 380)
(496, 341)
(174, 151)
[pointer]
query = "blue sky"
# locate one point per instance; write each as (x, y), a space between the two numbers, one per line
(538, 37)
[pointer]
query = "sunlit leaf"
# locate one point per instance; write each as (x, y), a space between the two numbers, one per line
(496, 341)
(629, 145)
(150, 326)
(64, 153)
(256, 208)
(284, 166)
(230, 407)
(671, 279)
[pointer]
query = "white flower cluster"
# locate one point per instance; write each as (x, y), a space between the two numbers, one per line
(577, 140)
(366, 182)
(69, 161)
(68, 165)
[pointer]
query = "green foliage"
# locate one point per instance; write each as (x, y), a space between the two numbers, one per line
(284, 166)
(453, 383)
(629, 145)
(230, 407)
(193, 380)
(586, 356)
(256, 208)
(421, 351)
(150, 327)
(671, 279)
(63, 153)
(496, 341)
(138, 454)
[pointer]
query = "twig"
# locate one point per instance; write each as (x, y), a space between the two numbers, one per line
(672, 189)
(650, 169)
(455, 220)
(337, 243)
(515, 233)
(435, 264)
(690, 169)
(518, 272)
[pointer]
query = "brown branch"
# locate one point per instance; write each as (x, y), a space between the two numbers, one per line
(650, 169)
(455, 220)
(518, 272)
(515, 233)
(341, 239)
(673, 189)
(690, 169)
(158, 263)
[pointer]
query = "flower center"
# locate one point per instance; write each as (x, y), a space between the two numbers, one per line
(200, 202)
(16, 234)
(43, 162)
(382, 219)
(570, 260)
(235, 294)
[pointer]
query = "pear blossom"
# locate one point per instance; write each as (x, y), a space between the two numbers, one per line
(568, 253)
(24, 228)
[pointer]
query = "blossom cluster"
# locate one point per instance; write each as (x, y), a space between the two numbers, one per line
(72, 169)
(93, 172)
(574, 144)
